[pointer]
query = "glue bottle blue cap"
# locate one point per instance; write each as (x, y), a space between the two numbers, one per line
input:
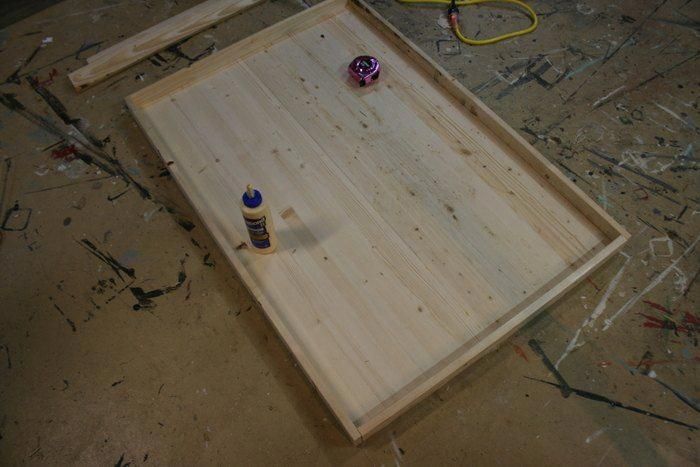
(252, 198)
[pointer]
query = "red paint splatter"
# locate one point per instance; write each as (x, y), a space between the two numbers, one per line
(688, 325)
(640, 193)
(589, 280)
(656, 306)
(65, 153)
(654, 322)
(691, 319)
(520, 352)
(52, 74)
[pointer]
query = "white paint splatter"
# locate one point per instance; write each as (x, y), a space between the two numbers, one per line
(595, 435)
(687, 152)
(611, 118)
(593, 132)
(583, 67)
(506, 80)
(554, 67)
(604, 455)
(607, 97)
(602, 304)
(573, 345)
(661, 125)
(643, 161)
(599, 309)
(680, 281)
(584, 9)
(657, 280)
(149, 214)
(397, 451)
(73, 169)
(670, 112)
(669, 247)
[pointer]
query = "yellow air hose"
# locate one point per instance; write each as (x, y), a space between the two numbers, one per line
(453, 14)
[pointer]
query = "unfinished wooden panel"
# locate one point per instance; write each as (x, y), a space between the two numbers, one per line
(416, 228)
(134, 49)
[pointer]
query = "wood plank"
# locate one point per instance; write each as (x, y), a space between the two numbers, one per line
(134, 49)
(222, 59)
(415, 233)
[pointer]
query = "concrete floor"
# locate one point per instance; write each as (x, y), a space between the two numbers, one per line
(607, 91)
(12, 11)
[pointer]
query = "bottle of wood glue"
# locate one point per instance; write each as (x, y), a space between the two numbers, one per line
(258, 221)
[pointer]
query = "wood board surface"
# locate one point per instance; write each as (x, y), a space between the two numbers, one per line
(134, 49)
(416, 228)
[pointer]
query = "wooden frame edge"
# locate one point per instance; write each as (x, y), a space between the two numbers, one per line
(473, 354)
(326, 393)
(616, 234)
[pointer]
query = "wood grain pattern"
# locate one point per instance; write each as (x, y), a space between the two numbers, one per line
(416, 229)
(134, 49)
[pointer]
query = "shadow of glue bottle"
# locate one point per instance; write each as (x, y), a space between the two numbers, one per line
(258, 221)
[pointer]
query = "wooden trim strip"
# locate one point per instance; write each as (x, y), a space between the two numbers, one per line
(134, 49)
(472, 351)
(238, 51)
(274, 315)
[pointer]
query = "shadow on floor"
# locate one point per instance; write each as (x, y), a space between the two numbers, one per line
(12, 11)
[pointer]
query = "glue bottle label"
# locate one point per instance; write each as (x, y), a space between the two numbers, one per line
(257, 230)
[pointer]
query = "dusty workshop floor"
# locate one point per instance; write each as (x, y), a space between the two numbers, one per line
(606, 90)
(12, 11)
